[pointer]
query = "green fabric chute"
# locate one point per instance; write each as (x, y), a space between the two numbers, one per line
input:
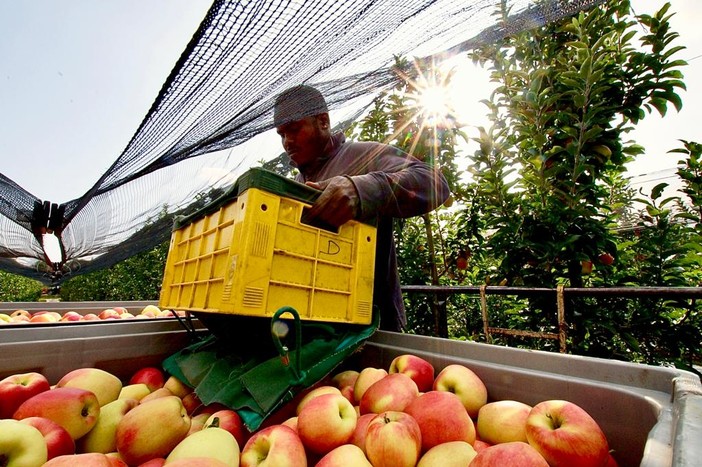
(255, 385)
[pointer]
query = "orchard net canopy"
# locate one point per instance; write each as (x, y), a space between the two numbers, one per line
(213, 117)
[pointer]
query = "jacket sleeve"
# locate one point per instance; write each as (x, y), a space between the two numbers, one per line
(398, 185)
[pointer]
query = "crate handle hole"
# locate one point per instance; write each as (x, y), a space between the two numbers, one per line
(316, 222)
(264, 207)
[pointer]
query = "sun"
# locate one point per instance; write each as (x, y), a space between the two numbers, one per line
(431, 99)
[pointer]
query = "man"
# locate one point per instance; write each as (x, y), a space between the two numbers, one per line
(359, 180)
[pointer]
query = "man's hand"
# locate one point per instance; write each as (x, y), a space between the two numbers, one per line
(338, 202)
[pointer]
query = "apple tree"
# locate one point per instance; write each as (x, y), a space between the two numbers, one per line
(567, 95)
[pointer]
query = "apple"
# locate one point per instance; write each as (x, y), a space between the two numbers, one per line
(102, 437)
(135, 391)
(108, 313)
(420, 370)
(366, 377)
(318, 391)
(479, 444)
(199, 462)
(274, 446)
(19, 319)
(230, 421)
(158, 393)
(606, 259)
(197, 422)
(192, 403)
(441, 418)
(103, 384)
(90, 317)
(75, 409)
(463, 382)
(45, 317)
(347, 455)
(503, 421)
(17, 388)
(394, 392)
(21, 312)
(565, 434)
(5, 318)
(126, 315)
(347, 392)
(148, 309)
(513, 454)
(345, 378)
(393, 439)
(211, 442)
(358, 438)
(291, 422)
(450, 454)
(326, 422)
(177, 387)
(120, 309)
(152, 376)
(90, 459)
(58, 440)
(116, 459)
(155, 462)
(71, 316)
(21, 445)
(152, 429)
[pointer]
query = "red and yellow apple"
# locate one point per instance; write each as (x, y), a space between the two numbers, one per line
(90, 459)
(21, 444)
(441, 418)
(230, 421)
(140, 434)
(103, 384)
(15, 389)
(347, 455)
(177, 387)
(75, 409)
(420, 370)
(58, 440)
(463, 382)
(318, 391)
(274, 446)
(102, 437)
(450, 454)
(152, 376)
(215, 443)
(393, 439)
(135, 391)
(394, 392)
(512, 454)
(366, 378)
(358, 437)
(565, 434)
(326, 422)
(503, 421)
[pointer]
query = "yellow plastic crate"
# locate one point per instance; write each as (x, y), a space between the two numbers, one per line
(253, 255)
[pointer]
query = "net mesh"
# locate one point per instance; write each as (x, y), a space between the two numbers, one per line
(212, 119)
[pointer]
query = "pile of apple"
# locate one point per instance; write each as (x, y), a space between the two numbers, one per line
(402, 416)
(118, 312)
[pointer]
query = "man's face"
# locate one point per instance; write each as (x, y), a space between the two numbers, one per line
(304, 140)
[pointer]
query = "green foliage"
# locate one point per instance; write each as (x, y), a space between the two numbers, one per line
(14, 288)
(136, 278)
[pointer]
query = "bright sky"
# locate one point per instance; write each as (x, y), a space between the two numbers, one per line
(78, 76)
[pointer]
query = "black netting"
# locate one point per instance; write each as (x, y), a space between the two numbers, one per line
(210, 121)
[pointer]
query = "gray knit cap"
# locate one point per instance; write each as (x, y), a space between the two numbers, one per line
(297, 103)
